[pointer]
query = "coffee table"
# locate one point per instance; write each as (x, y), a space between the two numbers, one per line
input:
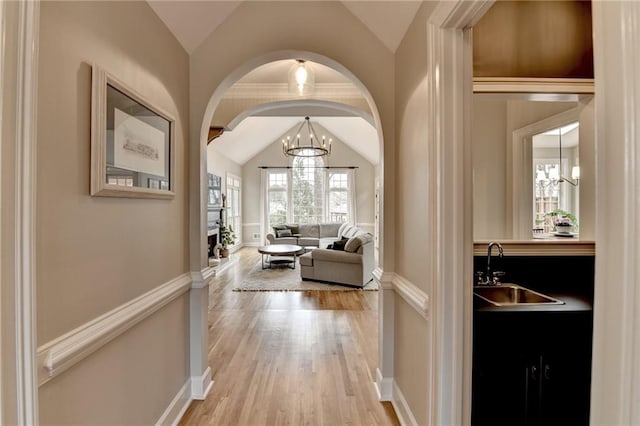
(283, 251)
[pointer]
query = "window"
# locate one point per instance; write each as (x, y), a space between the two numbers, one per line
(234, 218)
(277, 196)
(120, 180)
(546, 193)
(338, 196)
(308, 193)
(307, 189)
(552, 166)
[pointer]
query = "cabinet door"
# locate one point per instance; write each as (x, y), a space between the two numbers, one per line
(500, 371)
(566, 372)
(531, 369)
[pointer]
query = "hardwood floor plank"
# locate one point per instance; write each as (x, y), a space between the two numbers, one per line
(290, 358)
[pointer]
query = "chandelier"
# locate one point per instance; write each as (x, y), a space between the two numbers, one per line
(314, 147)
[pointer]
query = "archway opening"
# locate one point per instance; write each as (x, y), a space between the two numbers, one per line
(326, 108)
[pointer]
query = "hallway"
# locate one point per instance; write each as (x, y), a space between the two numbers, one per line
(290, 357)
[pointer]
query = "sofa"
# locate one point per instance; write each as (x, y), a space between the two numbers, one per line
(352, 266)
(310, 235)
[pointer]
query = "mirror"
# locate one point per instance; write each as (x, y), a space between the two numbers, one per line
(525, 148)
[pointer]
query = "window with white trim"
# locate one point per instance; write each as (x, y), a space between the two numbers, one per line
(277, 197)
(307, 189)
(338, 199)
(309, 193)
(234, 211)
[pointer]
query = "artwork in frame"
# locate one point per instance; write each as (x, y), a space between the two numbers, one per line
(129, 137)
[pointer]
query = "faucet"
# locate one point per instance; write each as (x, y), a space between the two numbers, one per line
(497, 274)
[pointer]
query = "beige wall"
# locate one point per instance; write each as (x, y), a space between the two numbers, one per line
(411, 355)
(220, 165)
(93, 253)
(489, 151)
(341, 155)
(278, 26)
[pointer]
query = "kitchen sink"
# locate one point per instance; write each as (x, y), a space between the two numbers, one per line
(513, 295)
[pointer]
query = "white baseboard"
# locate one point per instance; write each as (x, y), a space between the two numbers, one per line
(384, 386)
(177, 407)
(400, 405)
(197, 387)
(201, 385)
(253, 244)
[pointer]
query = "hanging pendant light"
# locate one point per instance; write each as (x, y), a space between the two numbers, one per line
(301, 78)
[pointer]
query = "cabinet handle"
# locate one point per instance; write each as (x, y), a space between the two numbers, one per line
(547, 372)
(534, 373)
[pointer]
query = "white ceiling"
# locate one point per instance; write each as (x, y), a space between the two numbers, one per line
(550, 139)
(192, 21)
(254, 134)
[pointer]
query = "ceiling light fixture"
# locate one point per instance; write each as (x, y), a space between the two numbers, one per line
(314, 148)
(301, 78)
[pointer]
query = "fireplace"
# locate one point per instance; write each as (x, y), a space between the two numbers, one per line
(214, 222)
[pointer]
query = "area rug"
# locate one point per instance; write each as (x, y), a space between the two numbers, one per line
(283, 278)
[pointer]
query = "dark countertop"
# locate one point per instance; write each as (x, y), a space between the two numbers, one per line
(572, 303)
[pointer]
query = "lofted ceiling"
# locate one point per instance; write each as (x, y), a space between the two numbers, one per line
(192, 22)
(254, 134)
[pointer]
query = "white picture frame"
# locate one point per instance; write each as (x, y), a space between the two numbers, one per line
(130, 138)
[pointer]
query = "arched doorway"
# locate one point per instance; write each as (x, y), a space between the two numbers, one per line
(198, 204)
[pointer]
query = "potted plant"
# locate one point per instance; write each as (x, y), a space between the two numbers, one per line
(563, 221)
(227, 238)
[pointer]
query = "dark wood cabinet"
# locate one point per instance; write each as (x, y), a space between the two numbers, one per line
(531, 368)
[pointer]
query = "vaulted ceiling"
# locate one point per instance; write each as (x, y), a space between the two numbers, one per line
(192, 21)
(336, 104)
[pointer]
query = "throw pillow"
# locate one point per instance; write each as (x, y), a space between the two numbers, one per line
(295, 229)
(339, 245)
(277, 228)
(283, 233)
(356, 242)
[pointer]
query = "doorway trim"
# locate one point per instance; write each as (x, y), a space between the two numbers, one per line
(197, 223)
(450, 91)
(19, 27)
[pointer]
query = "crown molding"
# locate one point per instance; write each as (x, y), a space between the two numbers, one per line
(583, 86)
(281, 91)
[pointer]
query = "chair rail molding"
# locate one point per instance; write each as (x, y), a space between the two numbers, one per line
(65, 351)
(412, 294)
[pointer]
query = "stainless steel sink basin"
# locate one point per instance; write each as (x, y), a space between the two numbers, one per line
(513, 295)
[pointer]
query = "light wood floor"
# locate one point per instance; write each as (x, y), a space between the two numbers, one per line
(299, 358)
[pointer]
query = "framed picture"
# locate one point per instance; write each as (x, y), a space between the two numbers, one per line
(129, 137)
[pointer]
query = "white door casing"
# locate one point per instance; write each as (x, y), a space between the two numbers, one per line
(19, 23)
(450, 91)
(615, 389)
